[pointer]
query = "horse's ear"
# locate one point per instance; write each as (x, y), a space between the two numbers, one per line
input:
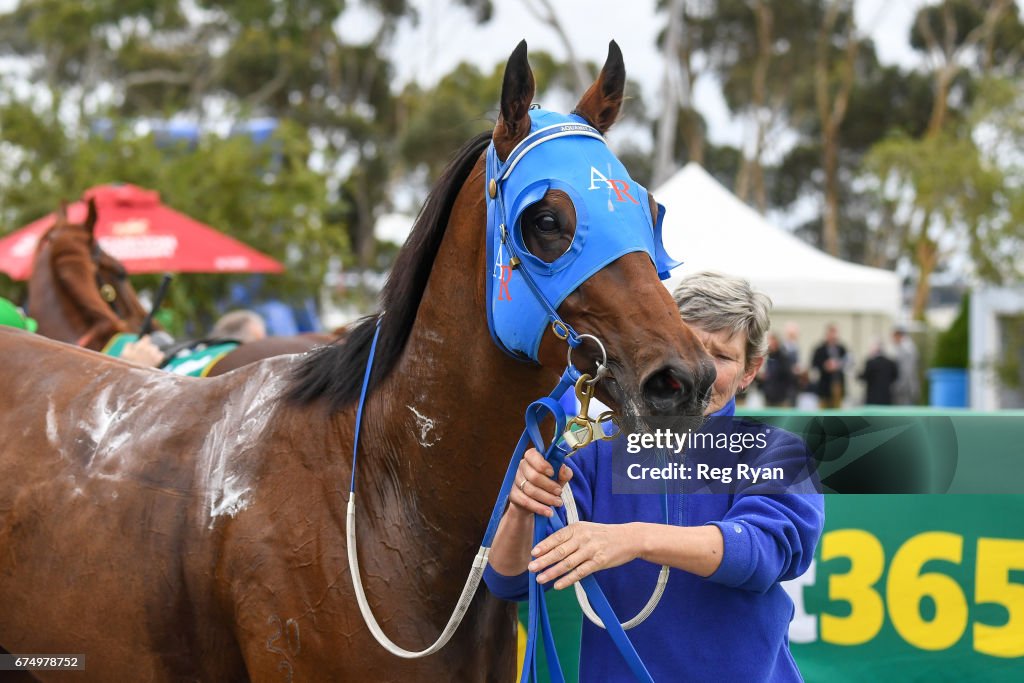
(517, 91)
(601, 103)
(90, 219)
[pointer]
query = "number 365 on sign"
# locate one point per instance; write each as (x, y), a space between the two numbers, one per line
(933, 591)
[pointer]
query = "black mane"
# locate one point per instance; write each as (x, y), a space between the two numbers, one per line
(335, 373)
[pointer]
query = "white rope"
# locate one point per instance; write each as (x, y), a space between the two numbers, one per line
(572, 515)
(476, 572)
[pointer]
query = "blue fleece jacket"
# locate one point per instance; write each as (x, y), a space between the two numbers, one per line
(730, 626)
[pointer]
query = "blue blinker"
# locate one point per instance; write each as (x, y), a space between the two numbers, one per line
(613, 218)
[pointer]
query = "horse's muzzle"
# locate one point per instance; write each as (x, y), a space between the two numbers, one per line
(676, 390)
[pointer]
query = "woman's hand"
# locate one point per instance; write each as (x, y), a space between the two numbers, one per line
(580, 549)
(534, 490)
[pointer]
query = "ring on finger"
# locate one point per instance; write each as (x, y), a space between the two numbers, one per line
(522, 485)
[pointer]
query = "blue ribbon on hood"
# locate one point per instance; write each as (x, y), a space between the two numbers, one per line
(613, 218)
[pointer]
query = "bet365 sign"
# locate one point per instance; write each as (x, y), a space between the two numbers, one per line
(914, 587)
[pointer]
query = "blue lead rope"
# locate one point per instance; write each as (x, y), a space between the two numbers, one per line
(362, 402)
(538, 622)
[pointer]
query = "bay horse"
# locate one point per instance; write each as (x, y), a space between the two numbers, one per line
(80, 294)
(173, 528)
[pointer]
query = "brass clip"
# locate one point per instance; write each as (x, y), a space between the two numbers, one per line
(579, 431)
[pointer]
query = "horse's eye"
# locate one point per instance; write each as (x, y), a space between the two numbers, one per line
(546, 224)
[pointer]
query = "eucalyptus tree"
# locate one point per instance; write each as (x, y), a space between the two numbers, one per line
(947, 193)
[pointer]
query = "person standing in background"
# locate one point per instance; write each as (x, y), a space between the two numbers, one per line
(907, 390)
(879, 375)
(791, 345)
(830, 360)
(776, 378)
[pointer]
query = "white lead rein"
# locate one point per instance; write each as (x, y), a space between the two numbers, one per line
(572, 516)
(476, 572)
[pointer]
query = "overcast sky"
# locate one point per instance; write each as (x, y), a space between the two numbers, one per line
(447, 35)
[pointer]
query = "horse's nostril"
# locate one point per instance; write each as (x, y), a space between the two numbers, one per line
(668, 390)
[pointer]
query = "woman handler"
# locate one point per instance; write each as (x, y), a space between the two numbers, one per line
(724, 615)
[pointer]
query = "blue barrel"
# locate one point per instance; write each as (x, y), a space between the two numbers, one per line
(948, 387)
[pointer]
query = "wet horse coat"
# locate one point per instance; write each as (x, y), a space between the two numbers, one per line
(174, 528)
(210, 546)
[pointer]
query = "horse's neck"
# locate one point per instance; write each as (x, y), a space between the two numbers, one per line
(449, 419)
(64, 295)
(58, 317)
(448, 416)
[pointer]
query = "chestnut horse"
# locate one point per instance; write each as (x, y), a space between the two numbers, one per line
(80, 294)
(172, 528)
(77, 292)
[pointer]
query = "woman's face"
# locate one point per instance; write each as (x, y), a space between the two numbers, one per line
(729, 354)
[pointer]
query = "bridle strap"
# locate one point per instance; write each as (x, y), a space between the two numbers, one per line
(572, 337)
(500, 171)
(86, 338)
(559, 130)
(100, 284)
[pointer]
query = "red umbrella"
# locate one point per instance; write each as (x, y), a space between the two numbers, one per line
(147, 236)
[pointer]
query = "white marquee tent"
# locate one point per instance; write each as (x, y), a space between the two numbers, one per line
(708, 228)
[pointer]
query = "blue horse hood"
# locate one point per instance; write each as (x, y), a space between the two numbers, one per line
(613, 218)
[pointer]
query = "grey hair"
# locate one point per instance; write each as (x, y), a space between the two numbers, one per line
(716, 302)
(235, 325)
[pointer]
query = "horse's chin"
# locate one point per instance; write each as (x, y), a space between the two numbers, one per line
(632, 423)
(633, 419)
